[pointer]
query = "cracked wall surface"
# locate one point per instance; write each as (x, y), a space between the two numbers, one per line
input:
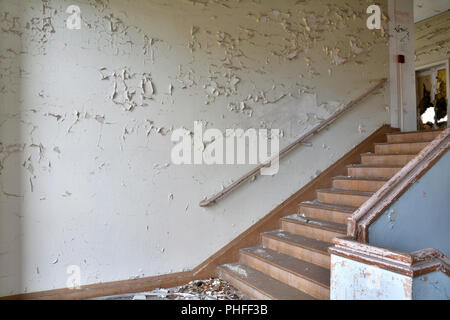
(87, 115)
(353, 280)
(433, 39)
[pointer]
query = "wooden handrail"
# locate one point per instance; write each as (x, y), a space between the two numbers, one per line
(360, 221)
(302, 139)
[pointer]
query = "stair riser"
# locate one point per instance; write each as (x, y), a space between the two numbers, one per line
(287, 277)
(309, 231)
(301, 253)
(413, 137)
(386, 173)
(398, 160)
(324, 215)
(409, 148)
(243, 286)
(358, 185)
(342, 199)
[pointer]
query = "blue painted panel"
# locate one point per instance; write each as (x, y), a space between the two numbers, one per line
(353, 280)
(433, 286)
(420, 218)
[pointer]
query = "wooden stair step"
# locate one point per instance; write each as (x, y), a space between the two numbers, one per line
(258, 285)
(366, 171)
(313, 228)
(307, 277)
(404, 137)
(359, 183)
(325, 211)
(343, 197)
(386, 159)
(300, 247)
(400, 148)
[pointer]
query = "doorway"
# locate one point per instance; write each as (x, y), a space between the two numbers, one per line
(432, 94)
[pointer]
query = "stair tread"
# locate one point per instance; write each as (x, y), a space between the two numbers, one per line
(302, 268)
(297, 218)
(361, 178)
(329, 206)
(347, 192)
(379, 166)
(396, 143)
(262, 282)
(304, 242)
(414, 132)
(370, 154)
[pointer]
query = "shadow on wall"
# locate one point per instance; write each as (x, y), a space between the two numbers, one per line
(12, 162)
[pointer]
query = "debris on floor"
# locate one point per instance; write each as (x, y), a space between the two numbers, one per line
(212, 289)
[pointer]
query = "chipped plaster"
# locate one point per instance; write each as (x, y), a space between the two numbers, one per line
(353, 280)
(433, 40)
(86, 117)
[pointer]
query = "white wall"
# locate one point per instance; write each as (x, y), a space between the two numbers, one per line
(84, 180)
(401, 42)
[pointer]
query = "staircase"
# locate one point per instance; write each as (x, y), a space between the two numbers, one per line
(293, 263)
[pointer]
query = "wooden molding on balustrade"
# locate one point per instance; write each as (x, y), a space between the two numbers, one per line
(412, 265)
(430, 260)
(369, 212)
(228, 254)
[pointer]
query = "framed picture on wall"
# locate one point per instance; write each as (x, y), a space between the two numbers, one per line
(432, 91)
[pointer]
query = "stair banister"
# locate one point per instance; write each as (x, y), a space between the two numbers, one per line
(302, 139)
(370, 211)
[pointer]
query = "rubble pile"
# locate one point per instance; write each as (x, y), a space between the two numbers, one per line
(212, 289)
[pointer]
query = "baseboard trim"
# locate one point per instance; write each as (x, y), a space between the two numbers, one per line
(109, 288)
(229, 253)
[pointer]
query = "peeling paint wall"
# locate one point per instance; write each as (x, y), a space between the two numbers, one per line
(86, 118)
(433, 39)
(420, 218)
(353, 280)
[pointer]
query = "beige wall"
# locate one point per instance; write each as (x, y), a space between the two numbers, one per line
(433, 39)
(85, 174)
